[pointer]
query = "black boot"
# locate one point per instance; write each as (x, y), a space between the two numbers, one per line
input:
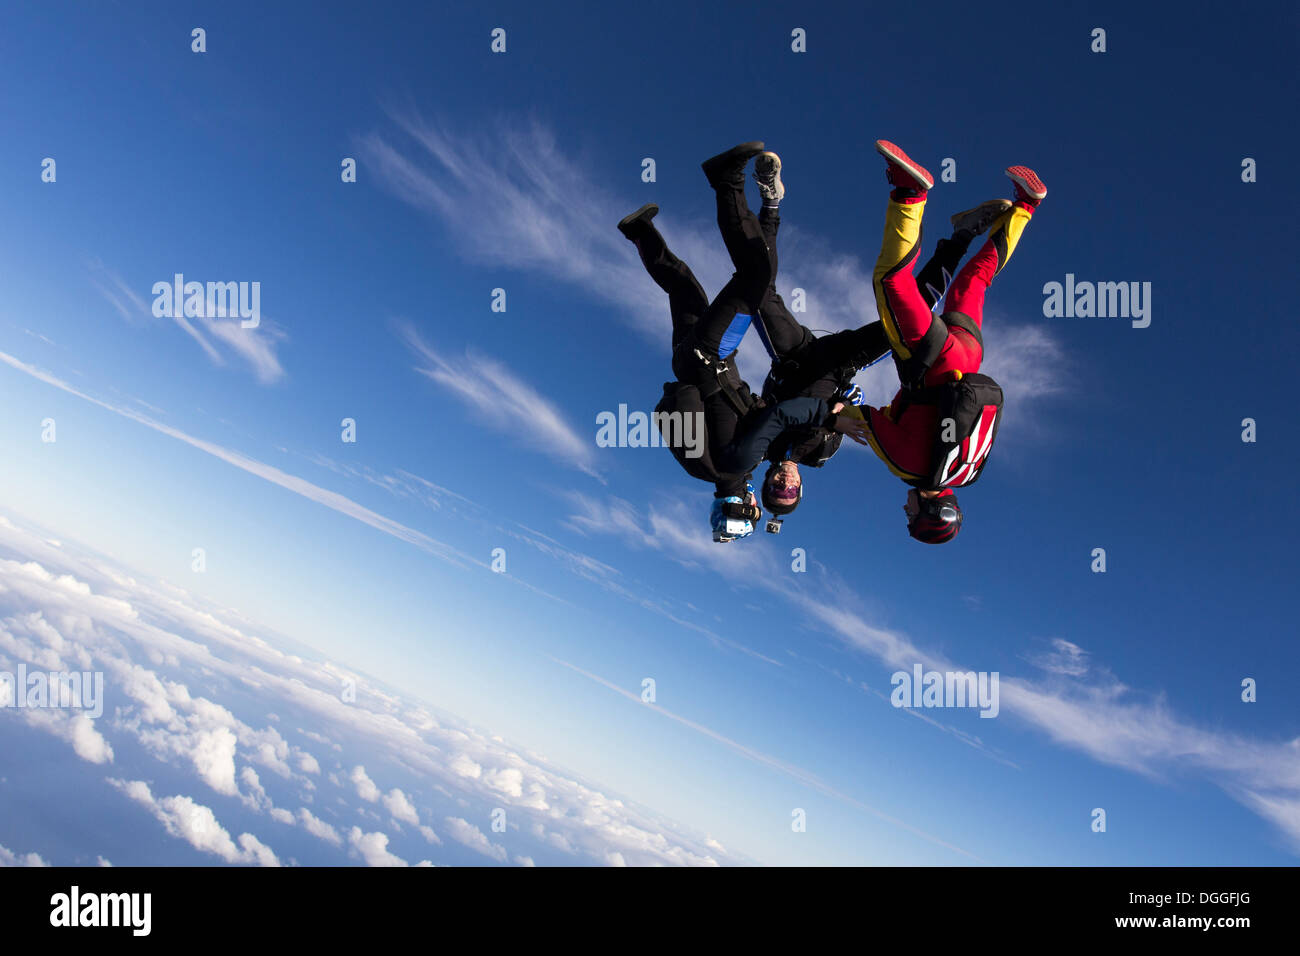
(634, 225)
(729, 167)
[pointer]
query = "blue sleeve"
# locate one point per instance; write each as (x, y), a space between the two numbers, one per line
(744, 454)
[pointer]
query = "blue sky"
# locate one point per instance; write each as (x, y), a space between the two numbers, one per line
(476, 429)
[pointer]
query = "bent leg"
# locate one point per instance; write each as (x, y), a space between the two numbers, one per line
(725, 320)
(746, 245)
(856, 348)
(686, 298)
(769, 221)
(903, 310)
(780, 331)
(732, 310)
(828, 354)
(968, 288)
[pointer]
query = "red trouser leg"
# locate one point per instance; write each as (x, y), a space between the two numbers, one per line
(966, 295)
(961, 353)
(967, 292)
(907, 307)
(899, 303)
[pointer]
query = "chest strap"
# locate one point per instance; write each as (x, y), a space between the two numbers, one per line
(721, 381)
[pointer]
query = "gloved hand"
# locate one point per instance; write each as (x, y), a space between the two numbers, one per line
(854, 402)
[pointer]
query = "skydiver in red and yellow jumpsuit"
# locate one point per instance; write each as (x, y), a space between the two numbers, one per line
(903, 433)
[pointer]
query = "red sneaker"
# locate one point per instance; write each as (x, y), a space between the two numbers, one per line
(903, 173)
(1029, 188)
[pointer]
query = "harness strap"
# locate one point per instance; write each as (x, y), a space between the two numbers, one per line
(721, 383)
(966, 323)
(926, 352)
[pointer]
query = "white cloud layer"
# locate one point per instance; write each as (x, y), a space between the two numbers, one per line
(197, 825)
(197, 692)
(10, 858)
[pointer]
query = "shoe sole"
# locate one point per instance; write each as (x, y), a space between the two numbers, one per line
(775, 161)
(899, 158)
(1028, 180)
(1002, 205)
(639, 214)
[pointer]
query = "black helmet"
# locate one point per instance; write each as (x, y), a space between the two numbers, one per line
(937, 520)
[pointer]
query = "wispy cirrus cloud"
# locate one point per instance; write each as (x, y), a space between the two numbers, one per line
(672, 527)
(1065, 657)
(504, 400)
(1083, 706)
(407, 484)
(401, 484)
(511, 196)
(127, 302)
(300, 486)
(256, 347)
(253, 347)
(44, 338)
(290, 482)
(757, 756)
(1079, 704)
(404, 484)
(639, 593)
